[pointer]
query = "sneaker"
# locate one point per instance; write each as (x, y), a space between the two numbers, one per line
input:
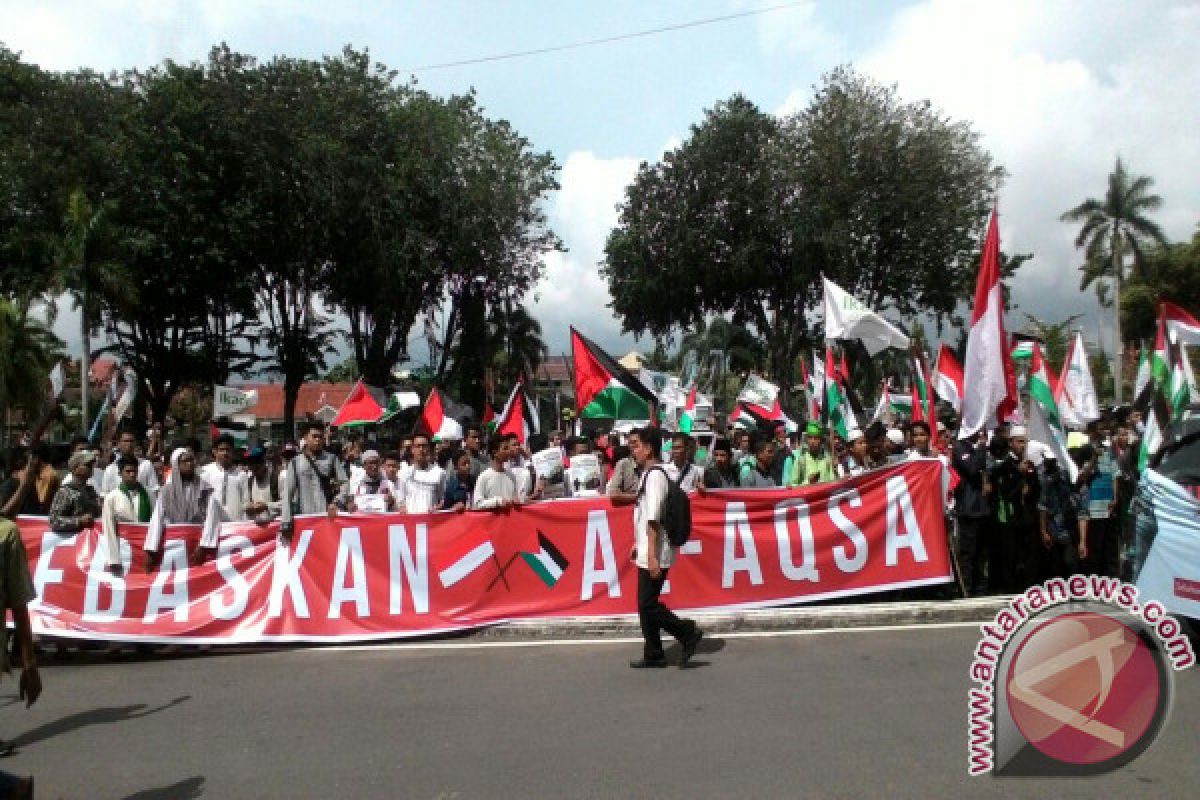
(648, 663)
(689, 646)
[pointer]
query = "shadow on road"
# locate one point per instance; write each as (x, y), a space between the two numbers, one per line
(97, 716)
(186, 789)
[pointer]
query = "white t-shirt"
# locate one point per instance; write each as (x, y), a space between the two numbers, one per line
(691, 479)
(147, 477)
(652, 496)
(421, 490)
(230, 488)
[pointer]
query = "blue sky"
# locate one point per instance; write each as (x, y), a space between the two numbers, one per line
(1057, 88)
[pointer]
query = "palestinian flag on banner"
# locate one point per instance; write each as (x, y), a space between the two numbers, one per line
(948, 378)
(548, 563)
(1041, 388)
(687, 419)
(489, 417)
(434, 417)
(603, 388)
(519, 415)
(835, 408)
(358, 409)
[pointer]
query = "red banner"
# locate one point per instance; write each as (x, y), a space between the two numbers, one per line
(362, 577)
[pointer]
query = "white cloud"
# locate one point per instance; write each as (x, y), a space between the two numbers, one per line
(795, 30)
(1058, 90)
(582, 213)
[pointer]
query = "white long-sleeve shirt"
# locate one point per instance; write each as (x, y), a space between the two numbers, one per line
(231, 489)
(147, 477)
(119, 506)
(421, 490)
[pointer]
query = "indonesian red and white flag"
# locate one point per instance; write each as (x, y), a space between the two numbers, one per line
(988, 377)
(948, 378)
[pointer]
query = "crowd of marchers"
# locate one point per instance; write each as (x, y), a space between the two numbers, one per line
(1017, 517)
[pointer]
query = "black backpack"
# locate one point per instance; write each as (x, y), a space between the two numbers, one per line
(677, 511)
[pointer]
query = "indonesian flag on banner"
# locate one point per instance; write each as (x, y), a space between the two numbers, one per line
(434, 418)
(603, 388)
(835, 407)
(461, 558)
(359, 409)
(1077, 400)
(948, 378)
(518, 416)
(687, 419)
(1041, 388)
(988, 376)
(847, 318)
(1181, 325)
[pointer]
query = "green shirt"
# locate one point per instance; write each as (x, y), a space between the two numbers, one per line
(805, 466)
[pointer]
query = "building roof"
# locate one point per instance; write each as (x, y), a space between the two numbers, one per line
(312, 398)
(555, 369)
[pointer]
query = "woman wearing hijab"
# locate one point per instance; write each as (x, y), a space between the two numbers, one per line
(185, 499)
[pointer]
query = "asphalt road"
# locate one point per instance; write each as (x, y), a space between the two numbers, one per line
(853, 715)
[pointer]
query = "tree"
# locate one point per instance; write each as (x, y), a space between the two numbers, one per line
(1169, 273)
(1110, 230)
(87, 265)
(31, 350)
(345, 372)
(742, 219)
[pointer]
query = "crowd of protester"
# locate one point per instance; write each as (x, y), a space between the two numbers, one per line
(1017, 517)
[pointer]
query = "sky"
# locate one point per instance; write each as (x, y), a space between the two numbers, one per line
(1057, 88)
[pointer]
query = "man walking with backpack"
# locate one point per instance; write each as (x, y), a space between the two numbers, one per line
(654, 553)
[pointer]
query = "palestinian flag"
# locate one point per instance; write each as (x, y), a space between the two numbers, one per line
(1178, 391)
(548, 563)
(1041, 388)
(1154, 435)
(1022, 349)
(1143, 382)
(603, 388)
(1181, 326)
(948, 378)
(923, 404)
(1160, 364)
(812, 410)
(519, 415)
(893, 402)
(687, 420)
(835, 409)
(435, 419)
(489, 418)
(358, 409)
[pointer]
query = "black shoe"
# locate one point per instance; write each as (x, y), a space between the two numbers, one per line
(689, 646)
(648, 663)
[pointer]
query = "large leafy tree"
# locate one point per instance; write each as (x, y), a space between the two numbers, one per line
(1168, 273)
(1114, 232)
(885, 197)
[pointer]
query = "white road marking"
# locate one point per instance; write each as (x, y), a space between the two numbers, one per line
(361, 648)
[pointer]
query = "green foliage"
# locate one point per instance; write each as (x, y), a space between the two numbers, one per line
(31, 351)
(1055, 338)
(886, 198)
(1170, 273)
(249, 202)
(345, 372)
(1116, 230)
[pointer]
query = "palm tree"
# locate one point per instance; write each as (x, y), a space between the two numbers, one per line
(717, 350)
(517, 337)
(1113, 228)
(32, 351)
(85, 267)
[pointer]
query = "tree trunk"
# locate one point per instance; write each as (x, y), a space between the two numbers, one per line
(291, 393)
(1117, 343)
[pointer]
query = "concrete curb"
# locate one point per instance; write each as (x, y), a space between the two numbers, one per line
(859, 615)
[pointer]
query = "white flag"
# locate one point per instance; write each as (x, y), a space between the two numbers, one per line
(1052, 438)
(847, 318)
(228, 401)
(758, 391)
(56, 381)
(1078, 387)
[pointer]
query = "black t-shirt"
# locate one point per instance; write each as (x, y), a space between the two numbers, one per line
(29, 506)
